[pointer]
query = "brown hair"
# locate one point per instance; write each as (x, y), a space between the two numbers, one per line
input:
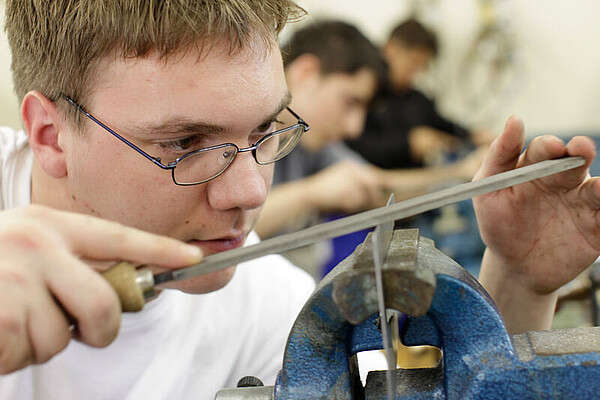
(339, 46)
(414, 34)
(58, 44)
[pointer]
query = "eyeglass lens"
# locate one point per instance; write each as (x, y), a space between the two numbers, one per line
(208, 164)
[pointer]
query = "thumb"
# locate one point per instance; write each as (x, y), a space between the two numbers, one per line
(504, 151)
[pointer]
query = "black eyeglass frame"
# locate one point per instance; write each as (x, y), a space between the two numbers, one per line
(173, 164)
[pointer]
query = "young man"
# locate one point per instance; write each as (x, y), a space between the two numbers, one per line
(174, 78)
(170, 78)
(404, 128)
(333, 72)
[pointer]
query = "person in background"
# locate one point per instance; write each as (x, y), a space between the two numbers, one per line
(333, 72)
(404, 129)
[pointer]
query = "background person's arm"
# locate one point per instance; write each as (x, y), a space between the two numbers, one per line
(349, 187)
(345, 187)
(411, 182)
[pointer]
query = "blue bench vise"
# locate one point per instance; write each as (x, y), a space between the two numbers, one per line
(445, 307)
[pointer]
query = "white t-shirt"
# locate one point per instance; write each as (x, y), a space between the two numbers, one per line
(180, 346)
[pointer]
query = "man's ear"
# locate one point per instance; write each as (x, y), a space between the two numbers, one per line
(43, 125)
(303, 70)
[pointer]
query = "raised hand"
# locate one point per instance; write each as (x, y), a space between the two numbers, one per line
(539, 235)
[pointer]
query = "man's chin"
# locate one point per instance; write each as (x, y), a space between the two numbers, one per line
(204, 283)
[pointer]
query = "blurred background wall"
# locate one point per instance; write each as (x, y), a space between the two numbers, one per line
(9, 111)
(537, 59)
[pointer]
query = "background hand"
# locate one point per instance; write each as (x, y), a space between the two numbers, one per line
(425, 141)
(347, 187)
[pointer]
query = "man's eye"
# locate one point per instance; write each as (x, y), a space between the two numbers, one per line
(182, 144)
(269, 126)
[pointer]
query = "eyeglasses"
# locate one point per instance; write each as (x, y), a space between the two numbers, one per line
(202, 165)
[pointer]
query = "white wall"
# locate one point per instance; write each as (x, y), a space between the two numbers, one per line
(561, 50)
(9, 110)
(555, 86)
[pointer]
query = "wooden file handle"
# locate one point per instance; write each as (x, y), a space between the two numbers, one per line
(133, 286)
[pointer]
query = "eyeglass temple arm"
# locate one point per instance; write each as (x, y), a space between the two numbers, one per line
(155, 160)
(300, 120)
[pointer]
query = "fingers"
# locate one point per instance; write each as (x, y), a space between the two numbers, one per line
(504, 152)
(550, 147)
(346, 187)
(584, 147)
(107, 240)
(87, 298)
(47, 326)
(38, 289)
(15, 351)
(543, 148)
(43, 280)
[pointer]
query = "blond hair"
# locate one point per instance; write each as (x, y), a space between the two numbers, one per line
(57, 44)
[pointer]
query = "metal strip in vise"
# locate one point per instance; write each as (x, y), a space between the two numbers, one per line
(382, 237)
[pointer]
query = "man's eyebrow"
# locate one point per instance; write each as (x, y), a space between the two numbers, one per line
(178, 125)
(285, 101)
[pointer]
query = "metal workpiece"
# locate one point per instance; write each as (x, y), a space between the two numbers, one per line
(381, 239)
(408, 282)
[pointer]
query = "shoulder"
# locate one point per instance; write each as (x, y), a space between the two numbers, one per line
(11, 139)
(15, 168)
(10, 142)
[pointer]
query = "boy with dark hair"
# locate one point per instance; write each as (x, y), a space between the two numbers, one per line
(413, 34)
(404, 127)
(333, 72)
(339, 47)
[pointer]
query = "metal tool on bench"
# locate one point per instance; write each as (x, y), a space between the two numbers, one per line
(135, 286)
(446, 308)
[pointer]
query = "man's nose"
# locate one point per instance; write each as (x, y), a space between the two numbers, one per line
(241, 186)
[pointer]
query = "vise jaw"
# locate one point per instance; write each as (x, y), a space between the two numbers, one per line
(446, 308)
